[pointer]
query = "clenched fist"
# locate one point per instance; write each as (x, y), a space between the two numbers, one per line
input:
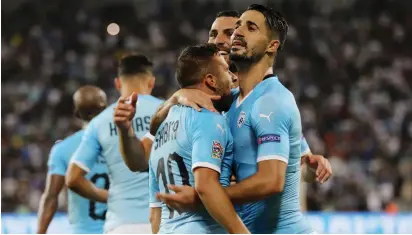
(125, 111)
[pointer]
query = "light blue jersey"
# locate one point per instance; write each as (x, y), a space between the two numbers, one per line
(188, 139)
(85, 216)
(266, 125)
(128, 201)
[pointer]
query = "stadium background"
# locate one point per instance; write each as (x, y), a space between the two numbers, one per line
(348, 63)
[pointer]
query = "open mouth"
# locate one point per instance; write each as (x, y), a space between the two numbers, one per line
(238, 43)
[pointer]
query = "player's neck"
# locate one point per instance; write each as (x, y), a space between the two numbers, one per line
(203, 88)
(252, 76)
(127, 91)
(84, 126)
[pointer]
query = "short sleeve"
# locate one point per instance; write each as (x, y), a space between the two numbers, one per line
(271, 119)
(153, 188)
(304, 147)
(56, 163)
(88, 152)
(227, 162)
(208, 140)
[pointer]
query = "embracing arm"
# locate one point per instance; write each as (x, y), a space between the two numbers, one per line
(161, 114)
(188, 97)
(217, 201)
(269, 179)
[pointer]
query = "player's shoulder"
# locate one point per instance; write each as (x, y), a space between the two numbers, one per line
(206, 121)
(275, 88)
(208, 116)
(67, 143)
(150, 99)
(275, 94)
(106, 114)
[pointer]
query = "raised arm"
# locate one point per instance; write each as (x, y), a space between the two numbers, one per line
(135, 152)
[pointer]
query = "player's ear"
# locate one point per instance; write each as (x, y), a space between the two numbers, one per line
(151, 82)
(77, 113)
(210, 80)
(117, 84)
(273, 46)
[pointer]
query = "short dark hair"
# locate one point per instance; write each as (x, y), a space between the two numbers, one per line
(133, 64)
(274, 21)
(228, 13)
(193, 63)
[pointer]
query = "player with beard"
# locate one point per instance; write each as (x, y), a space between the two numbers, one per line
(266, 126)
(220, 34)
(195, 148)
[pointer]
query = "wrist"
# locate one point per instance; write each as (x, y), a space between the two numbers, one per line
(129, 132)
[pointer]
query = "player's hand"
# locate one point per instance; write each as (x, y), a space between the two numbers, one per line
(125, 111)
(322, 166)
(185, 198)
(196, 99)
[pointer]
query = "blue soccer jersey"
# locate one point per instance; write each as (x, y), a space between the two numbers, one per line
(128, 201)
(266, 125)
(85, 216)
(188, 139)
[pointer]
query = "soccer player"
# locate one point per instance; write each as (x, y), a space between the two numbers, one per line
(85, 216)
(194, 148)
(128, 197)
(220, 34)
(265, 123)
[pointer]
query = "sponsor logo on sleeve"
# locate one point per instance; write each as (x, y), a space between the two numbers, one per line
(269, 138)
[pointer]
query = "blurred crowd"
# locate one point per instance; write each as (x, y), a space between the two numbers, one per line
(348, 63)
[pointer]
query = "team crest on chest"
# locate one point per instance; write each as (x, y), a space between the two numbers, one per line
(217, 150)
(241, 119)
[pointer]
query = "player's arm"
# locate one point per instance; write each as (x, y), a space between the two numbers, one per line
(271, 124)
(54, 184)
(314, 167)
(210, 138)
(188, 97)
(155, 218)
(155, 204)
(135, 152)
(78, 183)
(83, 160)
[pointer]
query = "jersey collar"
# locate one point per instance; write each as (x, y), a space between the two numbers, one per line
(266, 79)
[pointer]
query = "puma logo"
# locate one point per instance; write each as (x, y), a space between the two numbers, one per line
(266, 116)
